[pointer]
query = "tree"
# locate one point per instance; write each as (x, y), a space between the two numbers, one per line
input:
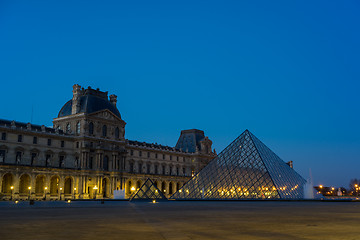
(355, 186)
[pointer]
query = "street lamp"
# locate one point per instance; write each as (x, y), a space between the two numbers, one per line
(74, 192)
(95, 188)
(12, 188)
(29, 192)
(60, 193)
(45, 188)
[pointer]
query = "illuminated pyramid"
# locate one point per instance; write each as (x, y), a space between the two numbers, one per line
(148, 191)
(246, 169)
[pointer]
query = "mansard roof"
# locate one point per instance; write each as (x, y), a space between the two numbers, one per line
(154, 146)
(90, 104)
(28, 126)
(189, 140)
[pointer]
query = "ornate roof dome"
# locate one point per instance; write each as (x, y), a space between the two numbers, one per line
(89, 101)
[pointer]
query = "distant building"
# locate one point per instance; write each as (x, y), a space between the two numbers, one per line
(86, 155)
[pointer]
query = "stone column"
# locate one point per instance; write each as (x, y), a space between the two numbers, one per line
(61, 188)
(16, 184)
(47, 187)
(167, 188)
(32, 185)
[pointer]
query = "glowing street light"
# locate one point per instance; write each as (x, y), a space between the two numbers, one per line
(73, 193)
(29, 192)
(95, 189)
(132, 188)
(45, 188)
(321, 186)
(12, 188)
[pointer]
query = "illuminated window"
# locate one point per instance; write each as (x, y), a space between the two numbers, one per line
(78, 127)
(68, 128)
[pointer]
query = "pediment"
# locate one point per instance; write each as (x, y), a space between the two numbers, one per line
(105, 114)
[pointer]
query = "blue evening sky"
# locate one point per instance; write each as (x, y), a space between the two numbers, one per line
(286, 70)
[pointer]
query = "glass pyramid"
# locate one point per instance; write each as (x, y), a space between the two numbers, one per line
(246, 169)
(148, 191)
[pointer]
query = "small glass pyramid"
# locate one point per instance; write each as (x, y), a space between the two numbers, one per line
(148, 191)
(246, 169)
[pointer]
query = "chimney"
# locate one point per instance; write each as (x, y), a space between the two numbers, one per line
(113, 99)
(290, 163)
(76, 99)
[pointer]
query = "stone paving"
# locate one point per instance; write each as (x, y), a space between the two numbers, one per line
(180, 220)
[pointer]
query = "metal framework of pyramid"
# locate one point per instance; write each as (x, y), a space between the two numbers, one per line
(246, 169)
(148, 191)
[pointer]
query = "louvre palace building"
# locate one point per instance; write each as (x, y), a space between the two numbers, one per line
(85, 155)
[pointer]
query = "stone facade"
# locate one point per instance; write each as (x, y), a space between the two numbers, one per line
(86, 155)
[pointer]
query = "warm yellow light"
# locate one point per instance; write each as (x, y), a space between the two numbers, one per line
(332, 188)
(95, 187)
(16, 201)
(45, 188)
(180, 190)
(12, 187)
(29, 188)
(156, 191)
(356, 185)
(321, 186)
(132, 188)
(69, 201)
(61, 189)
(154, 201)
(74, 188)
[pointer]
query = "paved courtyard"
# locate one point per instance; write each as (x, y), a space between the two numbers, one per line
(180, 220)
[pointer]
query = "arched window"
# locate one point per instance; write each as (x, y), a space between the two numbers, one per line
(78, 127)
(104, 131)
(116, 132)
(163, 187)
(170, 188)
(91, 128)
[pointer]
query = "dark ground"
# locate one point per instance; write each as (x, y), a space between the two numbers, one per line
(180, 220)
